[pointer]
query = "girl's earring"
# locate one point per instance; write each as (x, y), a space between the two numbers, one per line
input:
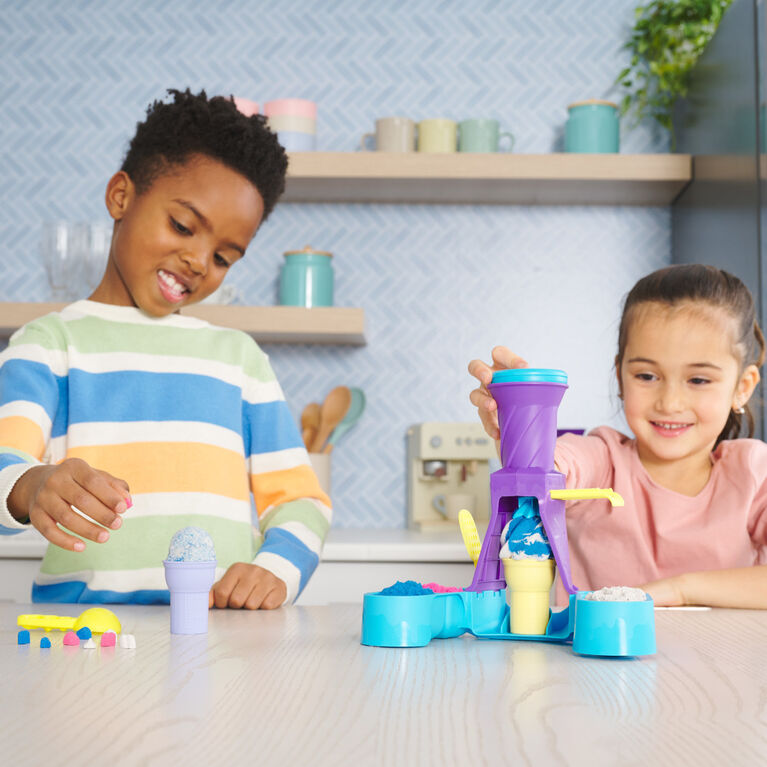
(739, 410)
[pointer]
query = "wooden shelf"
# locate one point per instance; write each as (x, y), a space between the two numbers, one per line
(267, 324)
(516, 179)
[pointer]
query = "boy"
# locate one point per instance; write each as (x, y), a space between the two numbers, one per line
(119, 402)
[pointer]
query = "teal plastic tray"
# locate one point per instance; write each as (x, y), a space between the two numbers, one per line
(594, 628)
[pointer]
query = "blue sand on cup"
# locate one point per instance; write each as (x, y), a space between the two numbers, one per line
(191, 544)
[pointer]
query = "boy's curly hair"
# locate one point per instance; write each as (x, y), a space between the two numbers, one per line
(195, 124)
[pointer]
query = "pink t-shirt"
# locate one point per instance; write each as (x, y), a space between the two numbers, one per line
(659, 532)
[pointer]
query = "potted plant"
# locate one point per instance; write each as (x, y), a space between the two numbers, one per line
(667, 39)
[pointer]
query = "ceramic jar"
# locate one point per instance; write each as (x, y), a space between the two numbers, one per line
(592, 127)
(306, 278)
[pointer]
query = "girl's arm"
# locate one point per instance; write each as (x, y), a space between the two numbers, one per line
(743, 587)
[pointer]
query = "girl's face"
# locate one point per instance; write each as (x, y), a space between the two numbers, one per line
(173, 245)
(680, 379)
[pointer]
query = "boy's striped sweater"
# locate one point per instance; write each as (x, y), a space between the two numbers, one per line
(190, 415)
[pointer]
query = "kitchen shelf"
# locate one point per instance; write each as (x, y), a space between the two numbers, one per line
(517, 179)
(267, 324)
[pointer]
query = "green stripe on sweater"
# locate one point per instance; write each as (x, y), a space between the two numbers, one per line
(304, 512)
(143, 542)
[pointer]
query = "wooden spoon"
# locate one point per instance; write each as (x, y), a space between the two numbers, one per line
(310, 422)
(331, 414)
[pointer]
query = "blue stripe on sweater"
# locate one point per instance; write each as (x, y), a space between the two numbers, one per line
(286, 545)
(77, 591)
(33, 382)
(9, 459)
(268, 427)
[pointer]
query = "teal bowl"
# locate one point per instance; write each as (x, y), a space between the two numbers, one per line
(613, 628)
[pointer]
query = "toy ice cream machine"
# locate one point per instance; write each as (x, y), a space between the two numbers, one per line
(448, 469)
(524, 545)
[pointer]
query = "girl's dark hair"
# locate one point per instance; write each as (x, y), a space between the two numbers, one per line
(688, 283)
(195, 124)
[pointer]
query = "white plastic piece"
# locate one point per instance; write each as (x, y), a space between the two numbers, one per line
(128, 641)
(89, 644)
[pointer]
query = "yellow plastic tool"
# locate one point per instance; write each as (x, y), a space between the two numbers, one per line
(582, 493)
(97, 619)
(470, 534)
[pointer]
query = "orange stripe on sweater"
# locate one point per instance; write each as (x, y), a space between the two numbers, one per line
(171, 467)
(22, 434)
(273, 487)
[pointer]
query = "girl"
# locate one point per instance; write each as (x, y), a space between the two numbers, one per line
(694, 527)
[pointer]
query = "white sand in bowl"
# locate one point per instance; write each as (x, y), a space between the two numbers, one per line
(617, 594)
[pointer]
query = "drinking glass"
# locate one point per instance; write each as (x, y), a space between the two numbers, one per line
(65, 248)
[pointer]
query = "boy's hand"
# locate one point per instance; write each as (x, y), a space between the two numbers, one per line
(45, 495)
(503, 359)
(248, 586)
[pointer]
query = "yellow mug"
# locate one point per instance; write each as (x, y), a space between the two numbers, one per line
(437, 136)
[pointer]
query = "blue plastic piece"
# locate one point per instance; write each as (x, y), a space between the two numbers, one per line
(84, 633)
(405, 589)
(23, 637)
(45, 642)
(595, 628)
(613, 628)
(524, 375)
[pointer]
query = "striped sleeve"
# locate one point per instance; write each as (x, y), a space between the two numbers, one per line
(30, 392)
(294, 513)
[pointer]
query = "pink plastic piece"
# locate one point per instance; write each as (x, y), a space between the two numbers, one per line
(108, 639)
(70, 638)
(437, 589)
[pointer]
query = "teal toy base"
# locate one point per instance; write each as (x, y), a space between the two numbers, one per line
(594, 628)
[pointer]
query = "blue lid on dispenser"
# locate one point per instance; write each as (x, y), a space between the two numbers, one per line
(526, 375)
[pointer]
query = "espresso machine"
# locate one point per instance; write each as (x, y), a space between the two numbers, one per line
(448, 468)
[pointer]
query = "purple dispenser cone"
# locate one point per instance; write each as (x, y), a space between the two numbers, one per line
(527, 401)
(189, 584)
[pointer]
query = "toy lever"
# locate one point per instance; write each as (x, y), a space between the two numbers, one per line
(469, 533)
(583, 493)
(47, 622)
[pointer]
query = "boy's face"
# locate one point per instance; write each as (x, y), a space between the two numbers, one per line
(173, 244)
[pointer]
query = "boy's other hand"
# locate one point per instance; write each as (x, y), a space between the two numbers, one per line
(503, 359)
(248, 586)
(46, 494)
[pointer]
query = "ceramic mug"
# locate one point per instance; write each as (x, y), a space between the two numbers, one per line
(392, 134)
(449, 505)
(297, 107)
(292, 123)
(246, 106)
(437, 136)
(294, 141)
(592, 127)
(322, 468)
(482, 136)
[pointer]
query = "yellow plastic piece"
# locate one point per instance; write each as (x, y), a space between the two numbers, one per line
(97, 619)
(582, 493)
(529, 582)
(470, 535)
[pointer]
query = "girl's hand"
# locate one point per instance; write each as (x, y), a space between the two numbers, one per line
(667, 592)
(45, 495)
(503, 359)
(248, 586)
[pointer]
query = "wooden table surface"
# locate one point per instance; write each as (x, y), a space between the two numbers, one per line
(295, 687)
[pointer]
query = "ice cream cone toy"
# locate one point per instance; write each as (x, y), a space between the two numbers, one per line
(190, 570)
(528, 567)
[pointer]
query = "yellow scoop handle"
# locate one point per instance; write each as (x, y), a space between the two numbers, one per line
(470, 535)
(582, 493)
(97, 619)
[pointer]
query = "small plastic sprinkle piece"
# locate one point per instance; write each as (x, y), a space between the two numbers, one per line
(108, 639)
(23, 637)
(89, 644)
(70, 638)
(127, 641)
(84, 633)
(45, 642)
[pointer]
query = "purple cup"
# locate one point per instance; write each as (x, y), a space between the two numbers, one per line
(189, 584)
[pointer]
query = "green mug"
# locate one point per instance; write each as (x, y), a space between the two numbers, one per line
(482, 136)
(592, 127)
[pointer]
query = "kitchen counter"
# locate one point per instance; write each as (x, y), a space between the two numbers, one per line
(294, 686)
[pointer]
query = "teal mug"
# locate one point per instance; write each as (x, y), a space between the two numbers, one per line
(592, 127)
(306, 278)
(482, 136)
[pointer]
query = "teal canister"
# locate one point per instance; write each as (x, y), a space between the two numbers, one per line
(592, 127)
(306, 278)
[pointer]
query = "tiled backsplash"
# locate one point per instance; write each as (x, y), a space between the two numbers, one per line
(439, 284)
